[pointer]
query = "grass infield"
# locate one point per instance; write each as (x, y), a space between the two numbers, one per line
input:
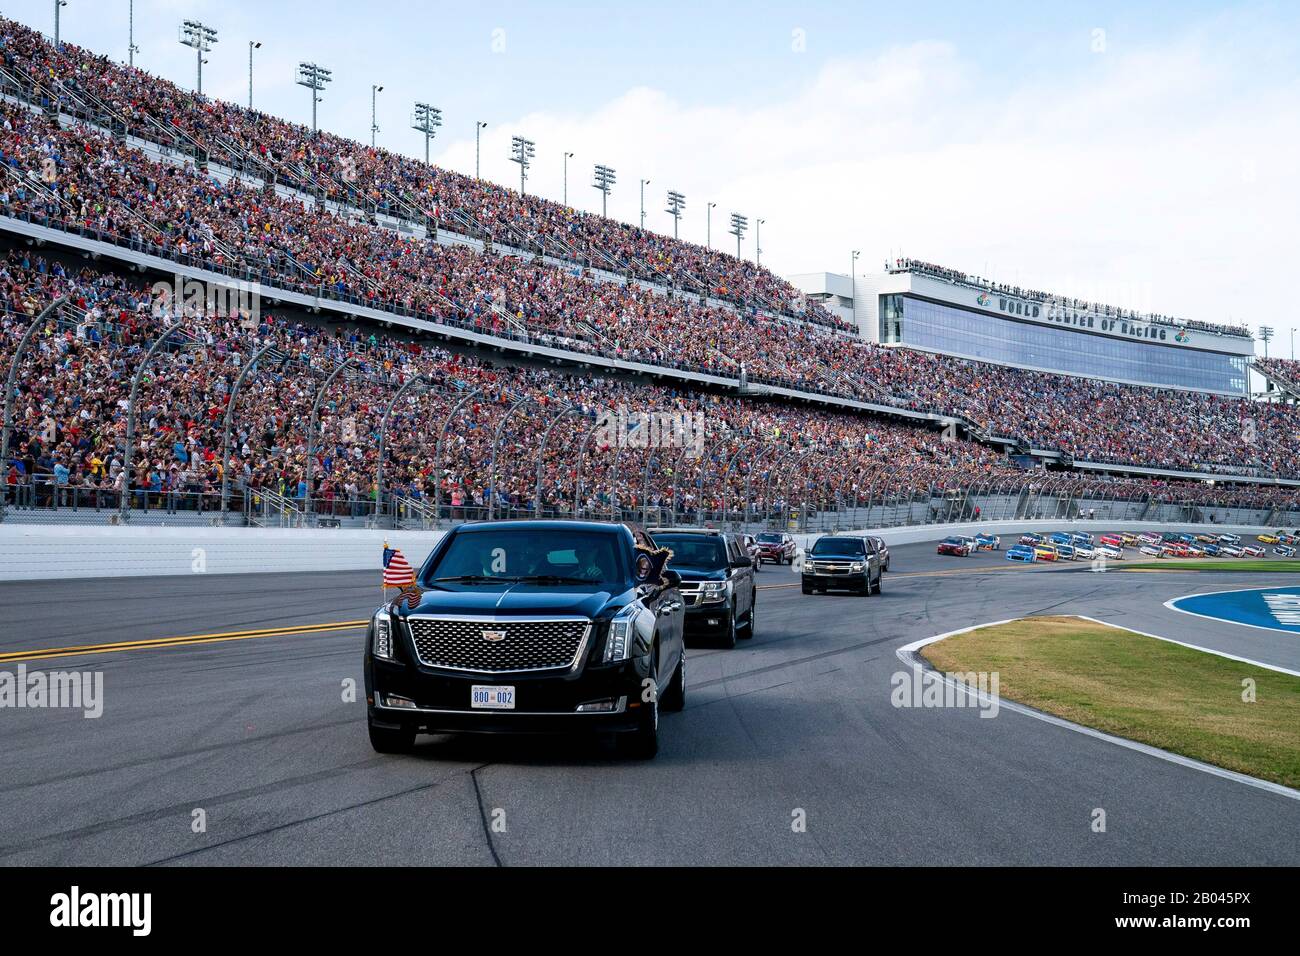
(1176, 698)
(1212, 564)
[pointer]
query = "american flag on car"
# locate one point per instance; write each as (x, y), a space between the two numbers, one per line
(397, 570)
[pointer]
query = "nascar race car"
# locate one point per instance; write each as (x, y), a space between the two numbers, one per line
(1231, 551)
(1059, 537)
(1285, 551)
(1267, 538)
(1080, 537)
(1286, 538)
(1206, 538)
(1031, 538)
(1153, 550)
(988, 542)
(1178, 549)
(1229, 539)
(1084, 552)
(961, 547)
(1045, 552)
(1021, 552)
(1213, 550)
(1252, 551)
(1129, 538)
(1066, 552)
(1111, 540)
(1110, 552)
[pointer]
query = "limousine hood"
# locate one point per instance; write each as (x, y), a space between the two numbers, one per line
(525, 600)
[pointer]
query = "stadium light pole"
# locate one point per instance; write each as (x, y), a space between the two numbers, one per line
(758, 241)
(252, 45)
(522, 152)
(644, 184)
(603, 179)
(1265, 336)
(57, 5)
(739, 224)
(567, 156)
(314, 78)
(199, 38)
(478, 128)
(131, 48)
(426, 119)
(853, 280)
(676, 203)
(374, 126)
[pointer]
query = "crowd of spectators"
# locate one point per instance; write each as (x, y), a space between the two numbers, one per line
(344, 171)
(70, 423)
(80, 178)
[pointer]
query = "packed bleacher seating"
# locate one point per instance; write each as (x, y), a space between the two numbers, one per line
(80, 178)
(70, 423)
(344, 171)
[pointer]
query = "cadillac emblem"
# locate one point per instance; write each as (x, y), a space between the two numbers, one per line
(494, 636)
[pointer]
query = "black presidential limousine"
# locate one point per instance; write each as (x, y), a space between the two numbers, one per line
(530, 626)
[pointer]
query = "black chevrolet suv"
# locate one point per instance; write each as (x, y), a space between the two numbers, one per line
(843, 563)
(717, 582)
(530, 626)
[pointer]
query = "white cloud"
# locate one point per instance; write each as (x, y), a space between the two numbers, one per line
(1156, 178)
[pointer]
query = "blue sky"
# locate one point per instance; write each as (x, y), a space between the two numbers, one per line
(1141, 155)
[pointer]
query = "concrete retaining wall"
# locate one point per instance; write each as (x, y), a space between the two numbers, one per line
(34, 552)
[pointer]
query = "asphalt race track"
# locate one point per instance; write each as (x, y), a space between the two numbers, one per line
(253, 731)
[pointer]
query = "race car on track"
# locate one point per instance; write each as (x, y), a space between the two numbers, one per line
(530, 626)
(1285, 538)
(1229, 539)
(1021, 552)
(1080, 537)
(1231, 551)
(1031, 538)
(1109, 552)
(1060, 537)
(1178, 549)
(987, 542)
(1213, 550)
(1251, 551)
(1151, 537)
(1084, 552)
(1267, 539)
(1111, 540)
(961, 547)
(1285, 551)
(1066, 552)
(1206, 538)
(1045, 552)
(1129, 538)
(1153, 551)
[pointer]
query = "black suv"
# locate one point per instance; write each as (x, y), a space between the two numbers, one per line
(518, 626)
(717, 582)
(843, 563)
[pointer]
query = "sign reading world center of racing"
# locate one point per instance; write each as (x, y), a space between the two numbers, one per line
(1062, 314)
(1277, 609)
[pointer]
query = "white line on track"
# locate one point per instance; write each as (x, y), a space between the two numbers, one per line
(909, 655)
(1223, 620)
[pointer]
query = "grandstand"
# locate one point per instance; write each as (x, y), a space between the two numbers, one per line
(437, 348)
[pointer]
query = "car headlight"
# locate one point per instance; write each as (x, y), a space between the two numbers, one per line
(856, 566)
(714, 592)
(382, 645)
(618, 642)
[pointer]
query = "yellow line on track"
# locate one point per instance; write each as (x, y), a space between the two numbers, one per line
(43, 653)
